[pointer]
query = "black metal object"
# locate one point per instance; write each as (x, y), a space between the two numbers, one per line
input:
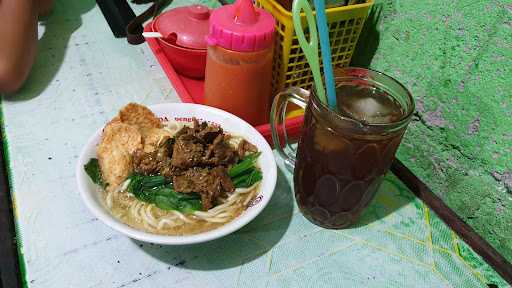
(118, 14)
(9, 265)
(134, 29)
(477, 243)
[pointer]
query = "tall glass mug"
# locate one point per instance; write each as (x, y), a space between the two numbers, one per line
(343, 153)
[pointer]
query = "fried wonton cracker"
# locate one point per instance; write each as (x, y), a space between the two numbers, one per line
(140, 116)
(118, 142)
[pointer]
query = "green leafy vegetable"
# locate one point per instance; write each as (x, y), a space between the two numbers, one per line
(165, 203)
(248, 179)
(245, 173)
(92, 168)
(245, 165)
(173, 203)
(159, 191)
(153, 181)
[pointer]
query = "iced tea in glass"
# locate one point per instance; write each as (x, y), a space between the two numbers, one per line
(344, 153)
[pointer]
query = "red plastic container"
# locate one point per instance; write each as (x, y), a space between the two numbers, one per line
(192, 91)
(189, 62)
(184, 43)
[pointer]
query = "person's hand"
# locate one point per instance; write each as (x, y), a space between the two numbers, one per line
(44, 7)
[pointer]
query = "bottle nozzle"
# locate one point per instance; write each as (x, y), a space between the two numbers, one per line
(245, 12)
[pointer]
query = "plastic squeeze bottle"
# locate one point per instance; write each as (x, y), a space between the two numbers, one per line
(238, 76)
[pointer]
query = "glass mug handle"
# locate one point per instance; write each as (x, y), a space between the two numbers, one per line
(297, 96)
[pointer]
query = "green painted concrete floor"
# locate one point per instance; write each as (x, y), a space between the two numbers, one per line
(456, 59)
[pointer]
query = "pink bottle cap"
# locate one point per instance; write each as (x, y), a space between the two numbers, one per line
(241, 27)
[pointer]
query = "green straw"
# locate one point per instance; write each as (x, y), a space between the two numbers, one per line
(310, 48)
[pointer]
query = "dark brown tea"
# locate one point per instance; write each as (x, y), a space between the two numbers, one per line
(341, 161)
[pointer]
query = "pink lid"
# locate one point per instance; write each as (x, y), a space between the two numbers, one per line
(185, 26)
(241, 27)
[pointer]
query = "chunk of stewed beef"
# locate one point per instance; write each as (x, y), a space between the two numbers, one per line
(209, 183)
(245, 147)
(209, 133)
(220, 152)
(153, 162)
(188, 151)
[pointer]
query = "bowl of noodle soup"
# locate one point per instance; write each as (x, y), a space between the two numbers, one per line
(152, 221)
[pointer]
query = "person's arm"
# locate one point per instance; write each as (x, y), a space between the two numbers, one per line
(18, 27)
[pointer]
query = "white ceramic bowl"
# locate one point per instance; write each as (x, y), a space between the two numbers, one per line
(184, 112)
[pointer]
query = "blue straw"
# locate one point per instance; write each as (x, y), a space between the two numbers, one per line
(323, 32)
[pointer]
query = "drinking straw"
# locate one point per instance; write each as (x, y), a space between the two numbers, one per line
(323, 32)
(310, 48)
